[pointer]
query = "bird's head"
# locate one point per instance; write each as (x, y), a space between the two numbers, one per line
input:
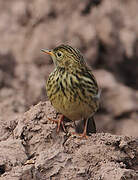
(65, 56)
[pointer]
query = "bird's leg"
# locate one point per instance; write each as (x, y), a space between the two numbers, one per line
(74, 123)
(84, 134)
(59, 122)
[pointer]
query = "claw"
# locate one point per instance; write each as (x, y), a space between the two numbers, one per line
(83, 135)
(59, 122)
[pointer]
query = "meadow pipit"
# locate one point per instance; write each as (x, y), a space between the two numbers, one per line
(71, 87)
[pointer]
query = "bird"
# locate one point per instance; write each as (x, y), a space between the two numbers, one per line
(72, 88)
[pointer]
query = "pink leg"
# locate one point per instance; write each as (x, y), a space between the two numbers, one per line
(59, 122)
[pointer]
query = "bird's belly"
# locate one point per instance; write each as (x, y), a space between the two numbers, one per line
(72, 109)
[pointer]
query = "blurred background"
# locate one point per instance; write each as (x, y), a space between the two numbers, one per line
(106, 32)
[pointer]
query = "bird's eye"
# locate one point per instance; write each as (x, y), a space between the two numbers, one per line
(59, 54)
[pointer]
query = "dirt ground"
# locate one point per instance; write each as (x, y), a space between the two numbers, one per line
(106, 32)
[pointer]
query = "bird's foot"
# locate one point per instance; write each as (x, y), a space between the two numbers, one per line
(59, 122)
(81, 136)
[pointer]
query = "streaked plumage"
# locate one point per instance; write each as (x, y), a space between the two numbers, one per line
(71, 87)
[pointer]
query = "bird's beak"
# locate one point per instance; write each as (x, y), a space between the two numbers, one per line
(47, 51)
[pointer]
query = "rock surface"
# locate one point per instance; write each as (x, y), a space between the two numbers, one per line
(34, 150)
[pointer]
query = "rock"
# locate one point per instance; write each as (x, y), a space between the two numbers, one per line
(115, 95)
(124, 128)
(40, 153)
(12, 155)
